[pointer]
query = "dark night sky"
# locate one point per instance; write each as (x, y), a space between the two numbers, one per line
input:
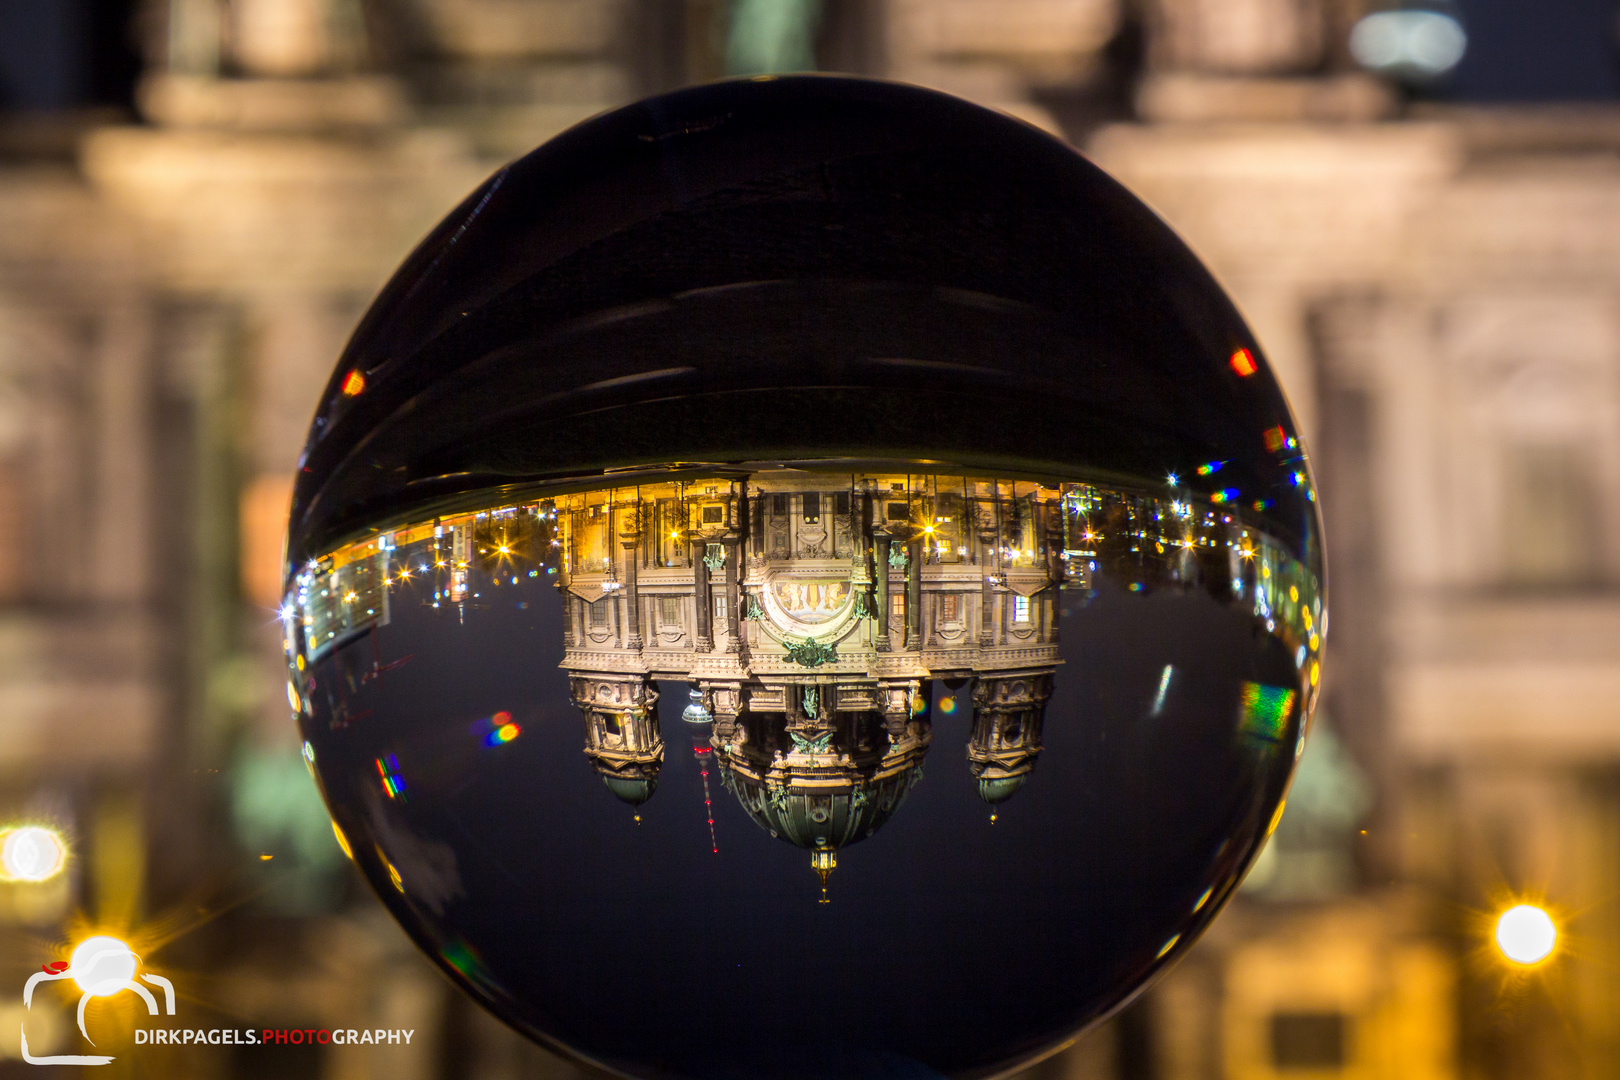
(1538, 50)
(56, 53)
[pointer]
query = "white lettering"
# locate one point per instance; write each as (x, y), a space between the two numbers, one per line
(366, 1038)
(393, 1037)
(408, 1035)
(140, 1036)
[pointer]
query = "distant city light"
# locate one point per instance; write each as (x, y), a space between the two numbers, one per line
(31, 853)
(102, 965)
(1421, 43)
(1526, 934)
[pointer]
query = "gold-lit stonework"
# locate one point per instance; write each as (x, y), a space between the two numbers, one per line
(811, 614)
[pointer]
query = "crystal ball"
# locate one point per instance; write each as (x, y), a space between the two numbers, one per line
(800, 578)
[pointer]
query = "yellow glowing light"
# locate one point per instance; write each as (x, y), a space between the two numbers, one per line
(1293, 593)
(1316, 672)
(343, 841)
(292, 697)
(102, 965)
(1526, 934)
(354, 384)
(503, 550)
(393, 876)
(31, 853)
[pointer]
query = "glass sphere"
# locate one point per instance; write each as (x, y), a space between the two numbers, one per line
(803, 577)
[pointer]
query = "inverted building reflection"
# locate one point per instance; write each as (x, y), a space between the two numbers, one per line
(812, 624)
(812, 615)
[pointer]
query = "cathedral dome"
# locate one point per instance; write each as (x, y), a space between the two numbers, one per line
(631, 789)
(1000, 789)
(817, 814)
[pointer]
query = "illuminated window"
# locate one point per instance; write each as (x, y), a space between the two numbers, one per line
(669, 610)
(1020, 609)
(812, 507)
(713, 515)
(949, 604)
(599, 612)
(719, 610)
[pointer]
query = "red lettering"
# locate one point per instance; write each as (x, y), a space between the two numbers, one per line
(323, 1036)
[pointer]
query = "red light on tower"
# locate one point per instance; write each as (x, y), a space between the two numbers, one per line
(1243, 363)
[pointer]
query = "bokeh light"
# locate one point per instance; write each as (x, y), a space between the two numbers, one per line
(1425, 44)
(1526, 934)
(32, 853)
(102, 964)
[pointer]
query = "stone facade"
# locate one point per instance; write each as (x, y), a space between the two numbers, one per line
(1437, 288)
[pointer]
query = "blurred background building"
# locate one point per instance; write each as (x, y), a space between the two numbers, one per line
(1417, 205)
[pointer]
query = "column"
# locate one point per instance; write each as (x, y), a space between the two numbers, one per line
(880, 561)
(733, 549)
(700, 598)
(914, 595)
(632, 600)
(989, 557)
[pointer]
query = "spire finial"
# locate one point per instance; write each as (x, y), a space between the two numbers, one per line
(823, 860)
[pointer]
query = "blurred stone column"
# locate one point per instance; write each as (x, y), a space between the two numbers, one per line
(121, 559)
